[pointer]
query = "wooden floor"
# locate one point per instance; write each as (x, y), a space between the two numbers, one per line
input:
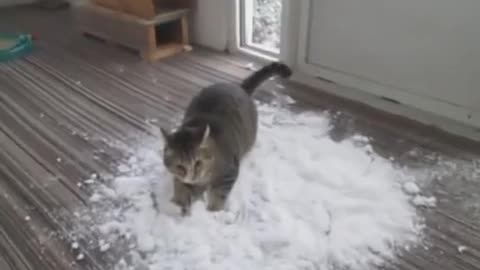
(59, 104)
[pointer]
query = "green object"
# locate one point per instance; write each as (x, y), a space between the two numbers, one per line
(14, 45)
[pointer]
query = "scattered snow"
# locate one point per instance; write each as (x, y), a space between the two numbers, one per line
(360, 138)
(80, 257)
(424, 201)
(411, 188)
(152, 120)
(289, 100)
(250, 66)
(96, 197)
(75, 245)
(122, 168)
(104, 246)
(302, 201)
(89, 181)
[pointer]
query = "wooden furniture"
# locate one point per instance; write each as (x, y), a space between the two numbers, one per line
(156, 29)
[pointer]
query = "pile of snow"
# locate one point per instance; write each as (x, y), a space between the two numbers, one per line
(302, 201)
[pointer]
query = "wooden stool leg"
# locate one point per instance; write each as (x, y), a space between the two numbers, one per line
(185, 34)
(148, 53)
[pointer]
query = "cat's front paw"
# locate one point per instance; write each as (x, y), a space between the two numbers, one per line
(184, 206)
(176, 201)
(186, 211)
(215, 206)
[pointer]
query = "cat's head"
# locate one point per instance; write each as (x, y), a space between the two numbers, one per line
(189, 154)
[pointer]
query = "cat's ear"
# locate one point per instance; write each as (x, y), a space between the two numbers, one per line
(166, 135)
(206, 134)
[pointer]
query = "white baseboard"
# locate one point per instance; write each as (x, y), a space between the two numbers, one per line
(412, 113)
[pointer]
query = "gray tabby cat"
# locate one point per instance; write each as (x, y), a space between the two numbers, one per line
(218, 129)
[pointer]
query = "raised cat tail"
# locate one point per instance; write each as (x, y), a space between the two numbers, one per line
(258, 77)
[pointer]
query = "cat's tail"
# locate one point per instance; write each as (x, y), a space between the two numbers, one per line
(258, 77)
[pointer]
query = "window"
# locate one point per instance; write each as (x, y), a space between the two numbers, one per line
(260, 26)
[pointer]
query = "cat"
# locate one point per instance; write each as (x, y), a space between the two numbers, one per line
(219, 127)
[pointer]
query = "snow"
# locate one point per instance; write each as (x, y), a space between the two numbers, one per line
(95, 197)
(104, 246)
(91, 180)
(27, 218)
(123, 168)
(424, 201)
(462, 249)
(302, 201)
(411, 188)
(75, 245)
(251, 66)
(80, 257)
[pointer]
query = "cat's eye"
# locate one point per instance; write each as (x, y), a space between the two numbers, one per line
(181, 170)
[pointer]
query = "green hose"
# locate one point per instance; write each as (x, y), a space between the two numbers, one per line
(14, 45)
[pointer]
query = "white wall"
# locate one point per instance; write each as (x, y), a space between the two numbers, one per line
(423, 53)
(210, 24)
